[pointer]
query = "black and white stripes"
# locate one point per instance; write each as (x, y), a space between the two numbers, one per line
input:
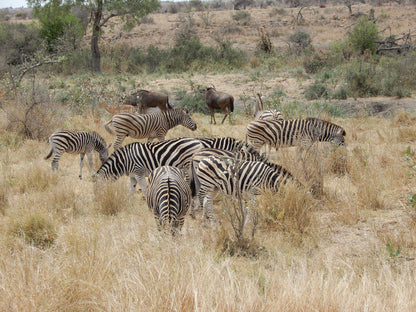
(78, 142)
(293, 132)
(168, 197)
(149, 126)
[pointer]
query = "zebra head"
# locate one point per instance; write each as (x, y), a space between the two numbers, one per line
(338, 137)
(187, 120)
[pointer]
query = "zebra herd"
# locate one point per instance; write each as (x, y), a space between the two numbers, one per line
(183, 168)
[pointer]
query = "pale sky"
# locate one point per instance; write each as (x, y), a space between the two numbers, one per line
(12, 4)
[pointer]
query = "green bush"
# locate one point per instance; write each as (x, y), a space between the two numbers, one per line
(242, 18)
(360, 78)
(300, 40)
(316, 91)
(364, 35)
(194, 100)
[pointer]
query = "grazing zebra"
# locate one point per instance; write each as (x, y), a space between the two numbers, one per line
(137, 160)
(207, 152)
(169, 197)
(78, 142)
(230, 176)
(149, 126)
(292, 132)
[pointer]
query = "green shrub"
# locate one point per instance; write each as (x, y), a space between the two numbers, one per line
(316, 91)
(360, 78)
(340, 93)
(313, 63)
(300, 40)
(364, 35)
(194, 100)
(242, 18)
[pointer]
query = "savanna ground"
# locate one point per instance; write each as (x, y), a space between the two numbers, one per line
(66, 245)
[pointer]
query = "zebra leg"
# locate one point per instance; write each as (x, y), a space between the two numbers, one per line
(55, 160)
(208, 211)
(90, 163)
(119, 140)
(81, 164)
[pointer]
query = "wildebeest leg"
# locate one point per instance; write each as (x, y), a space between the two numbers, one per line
(226, 114)
(213, 115)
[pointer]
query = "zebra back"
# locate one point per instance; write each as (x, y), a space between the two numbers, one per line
(151, 126)
(269, 115)
(227, 143)
(142, 158)
(169, 197)
(230, 176)
(291, 132)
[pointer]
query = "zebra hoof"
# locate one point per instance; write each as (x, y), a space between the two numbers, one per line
(80, 177)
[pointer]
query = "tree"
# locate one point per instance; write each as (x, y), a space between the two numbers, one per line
(130, 11)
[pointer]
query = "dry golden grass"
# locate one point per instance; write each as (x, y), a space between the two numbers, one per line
(349, 249)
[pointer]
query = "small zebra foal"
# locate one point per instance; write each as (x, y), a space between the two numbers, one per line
(149, 126)
(77, 142)
(169, 197)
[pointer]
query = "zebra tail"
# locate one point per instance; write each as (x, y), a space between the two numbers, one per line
(194, 183)
(232, 105)
(168, 105)
(49, 155)
(107, 127)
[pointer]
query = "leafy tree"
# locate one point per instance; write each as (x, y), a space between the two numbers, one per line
(130, 11)
(56, 20)
(364, 35)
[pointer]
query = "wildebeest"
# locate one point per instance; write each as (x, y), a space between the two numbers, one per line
(218, 100)
(144, 99)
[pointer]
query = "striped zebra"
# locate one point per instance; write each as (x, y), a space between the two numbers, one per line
(137, 160)
(207, 152)
(168, 197)
(149, 126)
(293, 132)
(270, 114)
(77, 142)
(233, 177)
(227, 143)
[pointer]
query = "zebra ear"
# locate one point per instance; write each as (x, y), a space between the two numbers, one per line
(341, 132)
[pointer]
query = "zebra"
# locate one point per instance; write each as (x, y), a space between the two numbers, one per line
(227, 143)
(78, 142)
(260, 114)
(168, 197)
(137, 160)
(270, 114)
(234, 177)
(293, 132)
(150, 126)
(207, 152)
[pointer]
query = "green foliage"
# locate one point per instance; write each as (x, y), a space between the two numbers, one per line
(364, 35)
(55, 21)
(194, 100)
(360, 77)
(242, 18)
(300, 40)
(36, 231)
(316, 91)
(393, 253)
(18, 42)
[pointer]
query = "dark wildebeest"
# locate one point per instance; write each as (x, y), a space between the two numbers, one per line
(145, 99)
(218, 100)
